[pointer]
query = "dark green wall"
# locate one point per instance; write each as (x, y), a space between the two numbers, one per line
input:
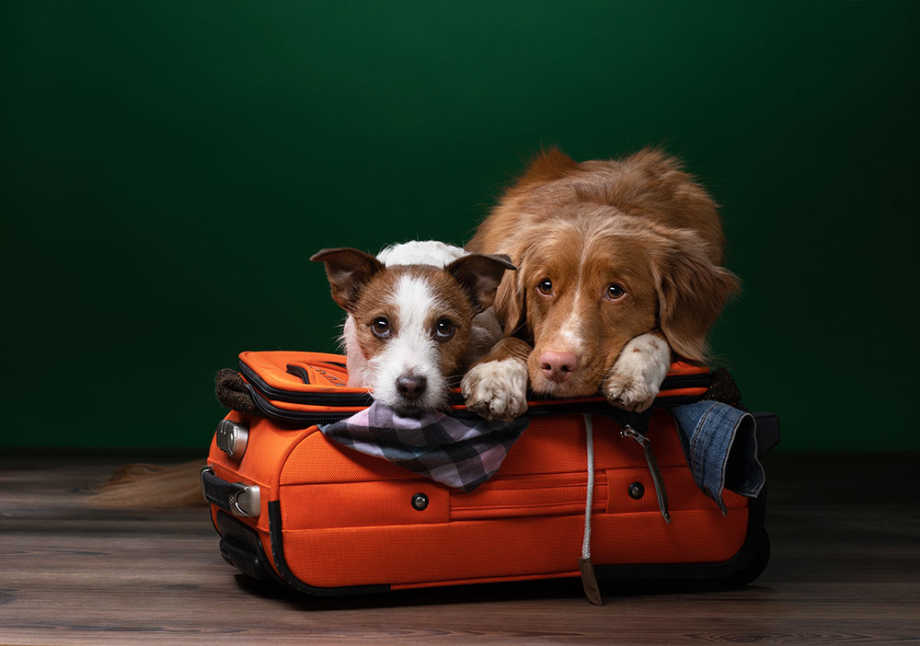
(168, 167)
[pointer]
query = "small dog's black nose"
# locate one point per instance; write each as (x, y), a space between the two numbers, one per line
(411, 387)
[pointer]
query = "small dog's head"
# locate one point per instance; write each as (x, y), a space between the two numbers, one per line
(412, 323)
(587, 285)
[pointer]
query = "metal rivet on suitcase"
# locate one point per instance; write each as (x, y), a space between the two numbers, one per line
(636, 490)
(419, 501)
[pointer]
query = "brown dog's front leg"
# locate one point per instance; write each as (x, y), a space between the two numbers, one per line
(496, 387)
(635, 379)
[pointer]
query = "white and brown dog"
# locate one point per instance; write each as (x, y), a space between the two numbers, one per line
(619, 267)
(416, 318)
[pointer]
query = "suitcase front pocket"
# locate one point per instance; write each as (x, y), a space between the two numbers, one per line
(542, 495)
(363, 504)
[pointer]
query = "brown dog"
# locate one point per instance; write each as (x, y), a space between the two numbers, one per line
(618, 266)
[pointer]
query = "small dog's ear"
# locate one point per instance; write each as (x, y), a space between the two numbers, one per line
(692, 291)
(348, 270)
(480, 274)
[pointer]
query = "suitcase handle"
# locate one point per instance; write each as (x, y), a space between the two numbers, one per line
(237, 498)
(768, 435)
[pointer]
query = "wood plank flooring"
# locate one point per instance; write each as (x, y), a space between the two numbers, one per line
(845, 569)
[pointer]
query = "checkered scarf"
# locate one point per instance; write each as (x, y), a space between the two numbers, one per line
(460, 450)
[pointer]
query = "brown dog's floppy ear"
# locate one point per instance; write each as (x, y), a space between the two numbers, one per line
(692, 291)
(480, 274)
(510, 300)
(348, 270)
(509, 303)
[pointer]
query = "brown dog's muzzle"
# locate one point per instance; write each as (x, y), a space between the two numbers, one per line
(558, 366)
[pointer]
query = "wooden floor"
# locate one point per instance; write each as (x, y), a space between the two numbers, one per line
(845, 568)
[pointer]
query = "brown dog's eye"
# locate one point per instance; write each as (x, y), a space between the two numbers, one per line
(545, 287)
(444, 330)
(615, 291)
(380, 326)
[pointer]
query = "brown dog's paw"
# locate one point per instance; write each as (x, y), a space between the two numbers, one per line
(635, 379)
(628, 394)
(496, 389)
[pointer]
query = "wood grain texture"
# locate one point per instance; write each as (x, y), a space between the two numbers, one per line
(845, 568)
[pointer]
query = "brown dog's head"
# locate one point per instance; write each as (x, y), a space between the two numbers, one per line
(590, 281)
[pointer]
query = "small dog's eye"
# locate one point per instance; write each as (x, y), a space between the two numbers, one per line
(615, 291)
(545, 287)
(444, 330)
(380, 326)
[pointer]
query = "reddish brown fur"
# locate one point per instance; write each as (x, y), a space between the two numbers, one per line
(376, 299)
(640, 222)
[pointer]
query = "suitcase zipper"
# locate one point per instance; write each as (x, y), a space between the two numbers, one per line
(315, 398)
(643, 441)
(264, 393)
(301, 419)
(364, 399)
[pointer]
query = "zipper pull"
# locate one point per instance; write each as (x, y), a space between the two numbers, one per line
(643, 441)
(631, 433)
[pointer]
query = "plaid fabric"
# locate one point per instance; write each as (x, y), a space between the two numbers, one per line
(460, 450)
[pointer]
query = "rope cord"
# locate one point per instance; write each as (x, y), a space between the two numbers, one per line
(589, 497)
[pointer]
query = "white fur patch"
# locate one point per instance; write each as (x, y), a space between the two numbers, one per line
(420, 252)
(497, 389)
(354, 358)
(410, 351)
(635, 379)
(570, 332)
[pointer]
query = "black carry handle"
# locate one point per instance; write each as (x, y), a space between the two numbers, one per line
(235, 497)
(217, 490)
(300, 372)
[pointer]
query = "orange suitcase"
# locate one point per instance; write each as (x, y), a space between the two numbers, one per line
(291, 506)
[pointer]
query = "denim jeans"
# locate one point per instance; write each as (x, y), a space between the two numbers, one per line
(721, 446)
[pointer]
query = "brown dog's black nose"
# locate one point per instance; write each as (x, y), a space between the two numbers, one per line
(411, 387)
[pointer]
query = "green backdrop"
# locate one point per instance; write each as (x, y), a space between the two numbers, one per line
(168, 167)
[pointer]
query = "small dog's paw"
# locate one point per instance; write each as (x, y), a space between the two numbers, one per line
(635, 379)
(496, 389)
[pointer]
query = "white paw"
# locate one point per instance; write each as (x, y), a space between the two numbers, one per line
(496, 389)
(635, 379)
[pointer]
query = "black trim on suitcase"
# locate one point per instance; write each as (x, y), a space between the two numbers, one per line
(241, 548)
(274, 524)
(294, 419)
